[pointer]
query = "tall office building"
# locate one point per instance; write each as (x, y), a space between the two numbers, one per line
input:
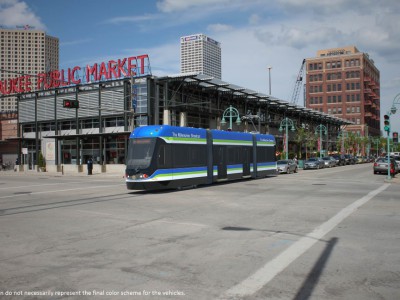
(201, 54)
(25, 51)
(345, 82)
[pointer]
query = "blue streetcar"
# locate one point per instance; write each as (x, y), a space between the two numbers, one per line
(164, 157)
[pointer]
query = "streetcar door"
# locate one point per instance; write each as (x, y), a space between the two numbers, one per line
(221, 163)
(246, 161)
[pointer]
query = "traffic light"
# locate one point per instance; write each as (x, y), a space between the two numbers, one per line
(387, 123)
(71, 103)
(395, 137)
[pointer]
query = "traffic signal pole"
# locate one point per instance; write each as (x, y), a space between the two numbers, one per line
(388, 154)
(393, 109)
(387, 129)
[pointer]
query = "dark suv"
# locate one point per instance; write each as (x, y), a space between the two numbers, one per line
(340, 160)
(350, 159)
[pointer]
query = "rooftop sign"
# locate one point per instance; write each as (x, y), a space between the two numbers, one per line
(133, 66)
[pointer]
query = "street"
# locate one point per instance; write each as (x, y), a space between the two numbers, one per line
(317, 234)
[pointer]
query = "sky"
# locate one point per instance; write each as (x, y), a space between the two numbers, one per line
(254, 35)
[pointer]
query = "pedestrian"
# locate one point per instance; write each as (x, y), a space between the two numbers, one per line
(90, 166)
(392, 169)
(16, 165)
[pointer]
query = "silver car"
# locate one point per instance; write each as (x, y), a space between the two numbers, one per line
(329, 161)
(314, 163)
(381, 166)
(286, 166)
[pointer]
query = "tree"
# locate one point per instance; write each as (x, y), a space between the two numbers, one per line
(383, 143)
(311, 138)
(364, 143)
(351, 142)
(41, 161)
(300, 139)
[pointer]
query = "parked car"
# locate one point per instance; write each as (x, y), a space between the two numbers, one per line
(396, 159)
(381, 166)
(340, 160)
(329, 161)
(314, 163)
(360, 159)
(350, 160)
(287, 166)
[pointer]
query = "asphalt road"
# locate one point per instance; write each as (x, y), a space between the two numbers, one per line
(323, 234)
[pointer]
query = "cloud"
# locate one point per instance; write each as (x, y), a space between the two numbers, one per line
(76, 42)
(254, 19)
(16, 13)
(131, 19)
(181, 5)
(164, 59)
(337, 7)
(219, 27)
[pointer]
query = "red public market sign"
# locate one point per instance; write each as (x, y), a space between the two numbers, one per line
(113, 69)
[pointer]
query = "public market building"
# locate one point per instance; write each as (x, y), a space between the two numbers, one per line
(117, 96)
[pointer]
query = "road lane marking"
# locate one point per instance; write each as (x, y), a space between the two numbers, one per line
(36, 185)
(183, 223)
(65, 190)
(272, 268)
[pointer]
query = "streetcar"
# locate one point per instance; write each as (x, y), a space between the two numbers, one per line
(169, 157)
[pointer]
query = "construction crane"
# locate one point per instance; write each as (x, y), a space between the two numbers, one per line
(298, 83)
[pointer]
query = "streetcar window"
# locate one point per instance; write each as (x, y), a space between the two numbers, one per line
(189, 156)
(265, 154)
(140, 152)
(161, 158)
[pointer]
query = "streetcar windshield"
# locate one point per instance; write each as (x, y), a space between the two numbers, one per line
(140, 152)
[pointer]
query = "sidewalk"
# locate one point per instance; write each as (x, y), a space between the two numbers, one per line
(395, 180)
(59, 174)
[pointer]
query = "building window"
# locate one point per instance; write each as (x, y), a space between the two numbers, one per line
(90, 123)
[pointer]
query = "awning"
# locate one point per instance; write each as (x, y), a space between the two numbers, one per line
(83, 135)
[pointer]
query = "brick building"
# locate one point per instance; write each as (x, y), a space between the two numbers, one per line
(8, 137)
(345, 82)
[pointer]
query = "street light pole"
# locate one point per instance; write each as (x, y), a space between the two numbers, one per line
(269, 78)
(321, 128)
(342, 134)
(231, 113)
(287, 123)
(388, 154)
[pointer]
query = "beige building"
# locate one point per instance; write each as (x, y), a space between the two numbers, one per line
(25, 51)
(345, 82)
(201, 54)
